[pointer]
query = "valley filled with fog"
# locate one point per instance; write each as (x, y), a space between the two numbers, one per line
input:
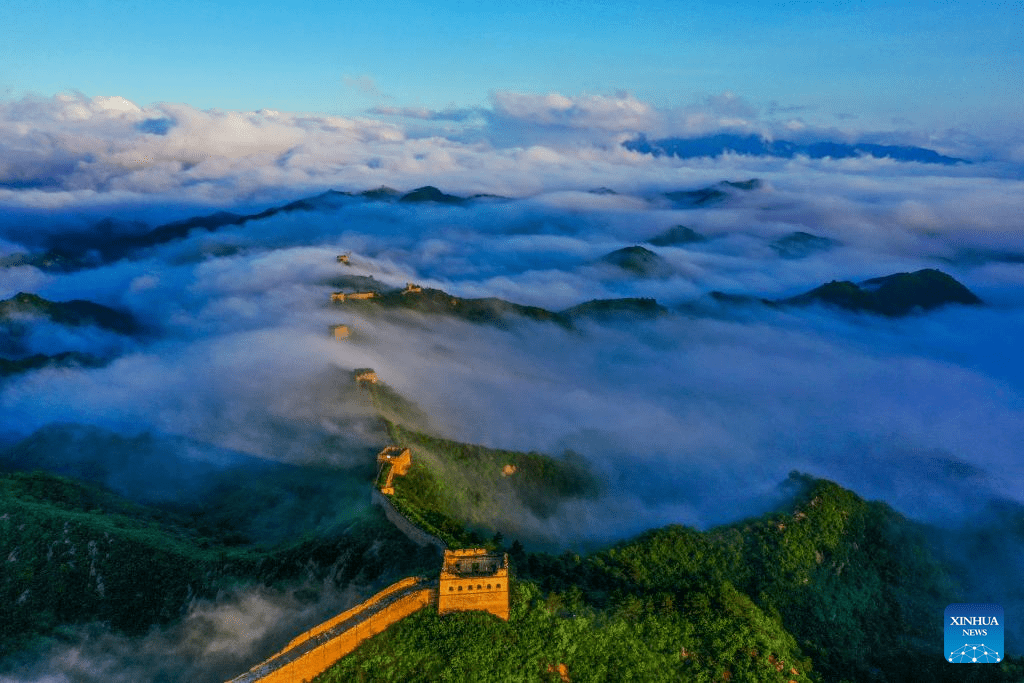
(694, 415)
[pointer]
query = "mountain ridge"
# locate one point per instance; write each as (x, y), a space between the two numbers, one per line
(757, 145)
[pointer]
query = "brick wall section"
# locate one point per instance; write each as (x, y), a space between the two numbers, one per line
(413, 532)
(377, 599)
(487, 594)
(316, 650)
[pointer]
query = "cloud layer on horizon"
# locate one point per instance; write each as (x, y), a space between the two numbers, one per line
(72, 151)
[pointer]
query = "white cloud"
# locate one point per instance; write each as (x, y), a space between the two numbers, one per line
(238, 354)
(75, 151)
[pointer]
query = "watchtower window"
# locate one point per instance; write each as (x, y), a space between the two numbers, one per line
(451, 588)
(488, 586)
(460, 587)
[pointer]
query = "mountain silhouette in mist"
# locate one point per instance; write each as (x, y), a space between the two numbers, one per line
(800, 244)
(15, 366)
(614, 309)
(487, 310)
(19, 314)
(893, 295)
(713, 194)
(639, 261)
(676, 235)
(75, 312)
(755, 145)
(495, 311)
(429, 193)
(112, 240)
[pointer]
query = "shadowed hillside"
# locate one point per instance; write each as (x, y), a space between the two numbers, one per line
(75, 313)
(893, 295)
(638, 261)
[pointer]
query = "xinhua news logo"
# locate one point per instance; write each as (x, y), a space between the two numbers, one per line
(973, 634)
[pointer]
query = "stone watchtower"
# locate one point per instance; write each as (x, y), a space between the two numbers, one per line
(474, 579)
(397, 460)
(364, 376)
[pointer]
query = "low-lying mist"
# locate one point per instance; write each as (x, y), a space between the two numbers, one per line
(215, 640)
(693, 417)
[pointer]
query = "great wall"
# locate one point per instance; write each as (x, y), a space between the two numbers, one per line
(469, 579)
(313, 652)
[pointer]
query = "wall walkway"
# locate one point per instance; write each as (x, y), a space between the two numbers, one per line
(411, 531)
(318, 649)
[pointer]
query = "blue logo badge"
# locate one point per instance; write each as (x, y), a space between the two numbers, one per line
(973, 634)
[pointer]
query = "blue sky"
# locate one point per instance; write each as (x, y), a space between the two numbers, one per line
(927, 62)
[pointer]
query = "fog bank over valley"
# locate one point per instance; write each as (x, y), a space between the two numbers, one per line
(232, 349)
(208, 344)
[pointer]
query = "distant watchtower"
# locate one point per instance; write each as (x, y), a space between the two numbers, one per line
(411, 288)
(343, 258)
(397, 460)
(340, 331)
(364, 376)
(474, 579)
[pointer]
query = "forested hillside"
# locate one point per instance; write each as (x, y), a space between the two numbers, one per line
(831, 588)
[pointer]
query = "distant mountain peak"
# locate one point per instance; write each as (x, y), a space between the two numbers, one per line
(756, 145)
(638, 261)
(381, 193)
(611, 309)
(800, 244)
(893, 295)
(74, 313)
(676, 235)
(712, 194)
(429, 193)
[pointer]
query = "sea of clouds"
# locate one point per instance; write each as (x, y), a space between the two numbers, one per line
(925, 413)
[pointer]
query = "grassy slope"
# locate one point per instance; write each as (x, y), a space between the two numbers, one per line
(453, 485)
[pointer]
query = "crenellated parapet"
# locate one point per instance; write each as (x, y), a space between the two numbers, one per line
(474, 579)
(341, 297)
(316, 650)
